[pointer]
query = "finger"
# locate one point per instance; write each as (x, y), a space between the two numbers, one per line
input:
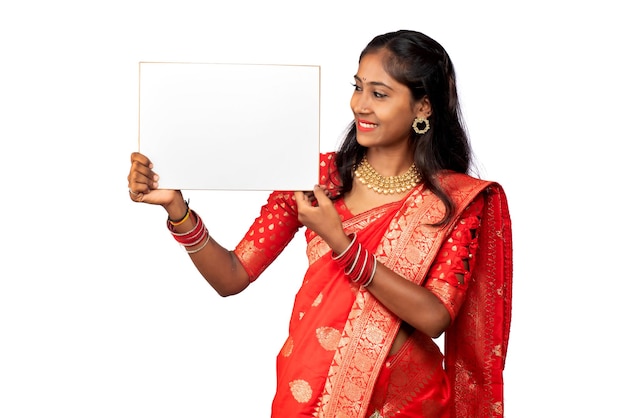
(143, 166)
(138, 183)
(310, 196)
(321, 196)
(326, 191)
(142, 174)
(135, 196)
(141, 159)
(299, 197)
(141, 178)
(302, 200)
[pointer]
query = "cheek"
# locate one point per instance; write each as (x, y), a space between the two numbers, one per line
(405, 120)
(402, 124)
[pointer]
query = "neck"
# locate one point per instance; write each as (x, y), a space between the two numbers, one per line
(389, 162)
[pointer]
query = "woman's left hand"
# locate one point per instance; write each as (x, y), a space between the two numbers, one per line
(317, 212)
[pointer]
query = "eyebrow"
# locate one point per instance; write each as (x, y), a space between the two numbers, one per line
(373, 83)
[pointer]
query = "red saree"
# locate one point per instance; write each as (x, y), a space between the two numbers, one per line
(335, 361)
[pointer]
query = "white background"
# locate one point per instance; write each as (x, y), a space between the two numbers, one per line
(102, 315)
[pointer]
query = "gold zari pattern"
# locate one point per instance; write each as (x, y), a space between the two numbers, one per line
(408, 247)
(301, 390)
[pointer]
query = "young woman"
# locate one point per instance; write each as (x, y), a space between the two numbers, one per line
(403, 245)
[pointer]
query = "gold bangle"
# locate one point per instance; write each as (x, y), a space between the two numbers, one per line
(184, 218)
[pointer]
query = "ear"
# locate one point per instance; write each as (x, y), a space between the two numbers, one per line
(423, 108)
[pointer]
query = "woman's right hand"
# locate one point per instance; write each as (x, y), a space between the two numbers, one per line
(143, 184)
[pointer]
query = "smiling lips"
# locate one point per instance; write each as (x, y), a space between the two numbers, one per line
(365, 126)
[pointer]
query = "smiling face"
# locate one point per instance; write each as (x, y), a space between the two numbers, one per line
(383, 108)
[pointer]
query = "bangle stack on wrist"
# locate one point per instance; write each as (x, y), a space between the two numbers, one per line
(199, 234)
(357, 262)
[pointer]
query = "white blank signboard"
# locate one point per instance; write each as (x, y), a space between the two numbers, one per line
(230, 126)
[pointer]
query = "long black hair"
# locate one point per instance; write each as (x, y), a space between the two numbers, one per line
(423, 65)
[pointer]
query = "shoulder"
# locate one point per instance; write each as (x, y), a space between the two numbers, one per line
(463, 188)
(459, 182)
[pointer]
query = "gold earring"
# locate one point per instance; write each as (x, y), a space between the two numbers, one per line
(423, 122)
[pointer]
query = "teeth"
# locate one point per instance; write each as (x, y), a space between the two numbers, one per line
(367, 125)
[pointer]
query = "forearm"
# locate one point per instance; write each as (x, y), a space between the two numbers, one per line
(412, 303)
(219, 266)
(221, 269)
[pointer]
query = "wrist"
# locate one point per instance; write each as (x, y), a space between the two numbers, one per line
(358, 263)
(193, 239)
(342, 243)
(177, 209)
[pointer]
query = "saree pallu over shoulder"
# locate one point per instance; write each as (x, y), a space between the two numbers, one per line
(476, 343)
(409, 247)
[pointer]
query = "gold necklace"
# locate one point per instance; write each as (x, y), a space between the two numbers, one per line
(386, 185)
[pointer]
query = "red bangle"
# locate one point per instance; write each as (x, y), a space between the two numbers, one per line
(192, 242)
(367, 270)
(373, 272)
(358, 263)
(192, 237)
(349, 254)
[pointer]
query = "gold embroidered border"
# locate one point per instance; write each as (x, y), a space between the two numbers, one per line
(371, 328)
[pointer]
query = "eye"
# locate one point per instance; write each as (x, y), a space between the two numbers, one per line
(356, 87)
(379, 95)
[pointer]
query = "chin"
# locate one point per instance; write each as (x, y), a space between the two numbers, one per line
(364, 141)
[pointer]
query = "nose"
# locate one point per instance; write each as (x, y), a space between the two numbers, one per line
(360, 103)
